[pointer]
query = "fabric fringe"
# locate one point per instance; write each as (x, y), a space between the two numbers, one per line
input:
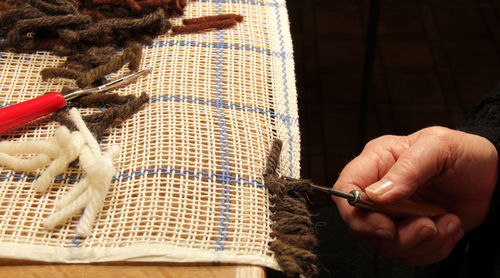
(294, 238)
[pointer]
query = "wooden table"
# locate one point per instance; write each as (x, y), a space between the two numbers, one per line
(24, 269)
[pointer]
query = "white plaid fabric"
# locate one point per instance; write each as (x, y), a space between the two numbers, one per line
(189, 186)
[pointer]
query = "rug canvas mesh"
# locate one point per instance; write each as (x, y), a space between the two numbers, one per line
(189, 186)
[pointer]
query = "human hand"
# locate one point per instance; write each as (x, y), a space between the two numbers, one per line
(449, 168)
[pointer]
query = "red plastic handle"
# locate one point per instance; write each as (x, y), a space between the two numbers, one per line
(18, 114)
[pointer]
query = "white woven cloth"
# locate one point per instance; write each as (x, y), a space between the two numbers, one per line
(189, 186)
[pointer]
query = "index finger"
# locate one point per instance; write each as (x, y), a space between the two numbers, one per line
(378, 156)
(376, 159)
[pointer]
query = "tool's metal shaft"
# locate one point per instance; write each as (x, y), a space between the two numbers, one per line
(354, 197)
(332, 191)
(122, 81)
(403, 209)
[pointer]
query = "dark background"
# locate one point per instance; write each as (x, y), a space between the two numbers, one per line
(433, 61)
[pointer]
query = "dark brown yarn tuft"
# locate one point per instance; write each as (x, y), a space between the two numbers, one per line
(131, 55)
(170, 7)
(59, 72)
(189, 21)
(59, 7)
(9, 5)
(97, 37)
(89, 34)
(103, 100)
(295, 261)
(204, 24)
(99, 122)
(294, 239)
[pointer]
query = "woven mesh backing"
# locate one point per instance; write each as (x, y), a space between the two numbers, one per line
(190, 183)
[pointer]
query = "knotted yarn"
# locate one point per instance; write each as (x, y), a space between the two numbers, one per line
(294, 239)
(91, 191)
(65, 147)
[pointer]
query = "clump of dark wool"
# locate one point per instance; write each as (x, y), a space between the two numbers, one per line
(97, 37)
(294, 239)
(171, 8)
(89, 34)
(131, 56)
(119, 109)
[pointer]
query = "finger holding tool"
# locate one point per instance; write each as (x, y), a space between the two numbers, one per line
(406, 208)
(18, 114)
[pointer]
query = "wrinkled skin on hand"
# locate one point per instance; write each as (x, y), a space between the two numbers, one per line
(449, 168)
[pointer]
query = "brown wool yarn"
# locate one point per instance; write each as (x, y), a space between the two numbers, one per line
(57, 7)
(103, 100)
(94, 29)
(99, 122)
(131, 55)
(97, 37)
(9, 5)
(91, 46)
(294, 239)
(197, 20)
(171, 8)
(195, 25)
(195, 28)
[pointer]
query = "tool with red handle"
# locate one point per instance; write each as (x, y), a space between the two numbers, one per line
(18, 114)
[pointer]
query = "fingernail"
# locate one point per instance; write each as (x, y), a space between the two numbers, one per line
(383, 233)
(426, 232)
(452, 227)
(380, 187)
(454, 230)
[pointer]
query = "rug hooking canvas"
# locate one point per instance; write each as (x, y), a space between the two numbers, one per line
(189, 186)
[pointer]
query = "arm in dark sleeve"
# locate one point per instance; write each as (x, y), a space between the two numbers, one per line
(484, 120)
(483, 243)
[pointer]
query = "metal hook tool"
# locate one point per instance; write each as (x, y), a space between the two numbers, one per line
(405, 208)
(18, 114)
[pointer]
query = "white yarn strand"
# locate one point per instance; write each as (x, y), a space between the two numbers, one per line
(24, 164)
(75, 116)
(68, 211)
(50, 147)
(45, 150)
(65, 147)
(70, 150)
(73, 194)
(99, 171)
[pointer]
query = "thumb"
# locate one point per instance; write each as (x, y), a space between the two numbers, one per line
(414, 167)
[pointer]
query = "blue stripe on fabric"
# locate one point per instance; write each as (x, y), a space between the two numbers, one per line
(285, 118)
(224, 178)
(229, 179)
(248, 2)
(232, 46)
(77, 240)
(285, 87)
(268, 112)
